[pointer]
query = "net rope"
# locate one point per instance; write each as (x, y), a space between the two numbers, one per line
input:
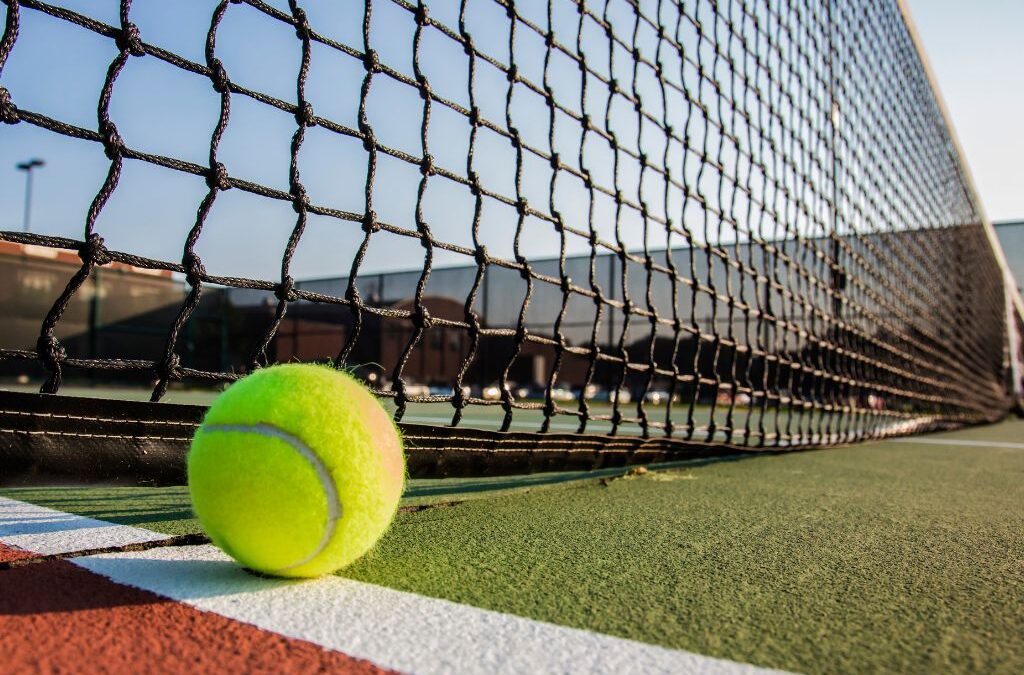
(812, 263)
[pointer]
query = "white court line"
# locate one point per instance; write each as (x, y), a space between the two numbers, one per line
(965, 442)
(393, 629)
(48, 532)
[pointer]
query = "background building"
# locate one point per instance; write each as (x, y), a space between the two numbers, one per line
(730, 304)
(1011, 237)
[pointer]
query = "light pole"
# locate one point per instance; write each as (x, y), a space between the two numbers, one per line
(27, 167)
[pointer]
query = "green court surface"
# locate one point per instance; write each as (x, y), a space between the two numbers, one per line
(903, 556)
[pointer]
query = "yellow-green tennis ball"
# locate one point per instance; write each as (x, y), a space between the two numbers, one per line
(296, 470)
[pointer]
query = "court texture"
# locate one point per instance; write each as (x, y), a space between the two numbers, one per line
(897, 556)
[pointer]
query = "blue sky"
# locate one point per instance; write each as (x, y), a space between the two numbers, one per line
(167, 111)
(977, 51)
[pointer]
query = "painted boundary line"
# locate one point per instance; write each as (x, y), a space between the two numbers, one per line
(390, 628)
(963, 442)
(58, 617)
(49, 532)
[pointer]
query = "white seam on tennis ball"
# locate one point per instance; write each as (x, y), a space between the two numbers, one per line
(322, 474)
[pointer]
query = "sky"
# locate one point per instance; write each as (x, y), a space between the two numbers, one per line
(976, 52)
(976, 49)
(161, 109)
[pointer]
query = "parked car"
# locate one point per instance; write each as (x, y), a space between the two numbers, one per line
(537, 393)
(609, 396)
(562, 395)
(416, 390)
(726, 397)
(590, 392)
(656, 397)
(527, 392)
(439, 390)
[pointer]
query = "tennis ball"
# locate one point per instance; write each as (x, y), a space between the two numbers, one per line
(296, 470)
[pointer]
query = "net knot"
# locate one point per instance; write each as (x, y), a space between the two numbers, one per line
(369, 138)
(217, 177)
(524, 271)
(459, 396)
(50, 350)
(613, 86)
(566, 284)
(304, 115)
(370, 224)
(93, 252)
(468, 46)
(422, 319)
(300, 200)
(427, 165)
(555, 160)
(8, 111)
(113, 144)
(474, 182)
(194, 270)
(474, 116)
(422, 15)
(522, 206)
(353, 297)
(170, 367)
(513, 73)
(423, 85)
(302, 29)
(371, 62)
(219, 76)
(480, 255)
(285, 290)
(128, 40)
(585, 121)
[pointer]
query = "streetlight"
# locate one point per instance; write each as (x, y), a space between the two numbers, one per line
(27, 167)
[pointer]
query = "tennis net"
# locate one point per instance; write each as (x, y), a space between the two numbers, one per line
(571, 232)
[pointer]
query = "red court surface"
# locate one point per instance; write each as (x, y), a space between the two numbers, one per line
(57, 617)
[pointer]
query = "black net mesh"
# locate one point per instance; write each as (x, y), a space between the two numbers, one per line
(741, 222)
